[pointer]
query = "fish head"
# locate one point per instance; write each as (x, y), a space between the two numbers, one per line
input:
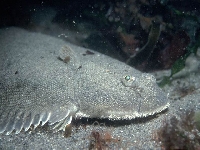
(120, 94)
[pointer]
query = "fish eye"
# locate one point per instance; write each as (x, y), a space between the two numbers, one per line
(127, 78)
(128, 81)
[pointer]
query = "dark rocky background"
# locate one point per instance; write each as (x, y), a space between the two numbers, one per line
(116, 28)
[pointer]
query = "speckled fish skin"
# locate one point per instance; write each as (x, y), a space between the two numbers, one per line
(37, 87)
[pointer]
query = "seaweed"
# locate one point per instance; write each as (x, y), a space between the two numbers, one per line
(102, 140)
(197, 120)
(179, 64)
(180, 133)
(145, 52)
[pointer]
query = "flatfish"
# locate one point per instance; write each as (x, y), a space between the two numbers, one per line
(45, 79)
